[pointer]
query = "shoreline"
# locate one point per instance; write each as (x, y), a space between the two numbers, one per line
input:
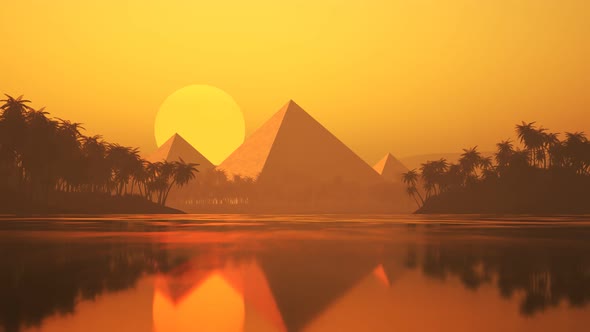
(83, 204)
(316, 217)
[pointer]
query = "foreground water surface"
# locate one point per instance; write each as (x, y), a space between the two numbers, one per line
(294, 273)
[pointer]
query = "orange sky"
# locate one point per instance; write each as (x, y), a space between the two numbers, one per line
(406, 77)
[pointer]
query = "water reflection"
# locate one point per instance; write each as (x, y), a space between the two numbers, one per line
(231, 297)
(41, 278)
(318, 277)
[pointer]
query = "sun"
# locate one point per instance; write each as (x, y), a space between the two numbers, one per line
(206, 117)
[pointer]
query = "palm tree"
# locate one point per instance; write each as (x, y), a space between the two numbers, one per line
(38, 155)
(487, 167)
(147, 179)
(576, 151)
(12, 132)
(14, 112)
(411, 191)
(71, 128)
(470, 160)
(159, 186)
(557, 155)
(163, 172)
(520, 159)
(504, 153)
(433, 173)
(533, 140)
(70, 157)
(454, 177)
(440, 167)
(410, 178)
(182, 174)
(550, 141)
(98, 170)
(524, 132)
(124, 162)
(429, 175)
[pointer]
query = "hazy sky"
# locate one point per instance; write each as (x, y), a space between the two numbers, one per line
(407, 77)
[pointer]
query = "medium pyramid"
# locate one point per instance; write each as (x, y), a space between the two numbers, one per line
(390, 168)
(292, 147)
(177, 147)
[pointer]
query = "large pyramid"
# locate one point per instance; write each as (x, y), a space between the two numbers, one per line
(292, 147)
(177, 147)
(390, 168)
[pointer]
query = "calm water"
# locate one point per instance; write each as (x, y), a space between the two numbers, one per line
(294, 273)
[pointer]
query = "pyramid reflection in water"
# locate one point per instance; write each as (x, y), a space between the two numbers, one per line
(265, 294)
(232, 297)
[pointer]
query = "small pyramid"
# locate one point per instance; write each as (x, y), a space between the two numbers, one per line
(390, 168)
(294, 147)
(177, 147)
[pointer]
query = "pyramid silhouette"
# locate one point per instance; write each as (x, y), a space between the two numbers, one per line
(292, 147)
(177, 147)
(390, 168)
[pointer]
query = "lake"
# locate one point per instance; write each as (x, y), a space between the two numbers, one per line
(294, 273)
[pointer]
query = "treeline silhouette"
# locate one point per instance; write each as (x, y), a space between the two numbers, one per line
(213, 191)
(42, 157)
(545, 174)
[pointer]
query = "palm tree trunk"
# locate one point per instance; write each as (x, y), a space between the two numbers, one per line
(168, 192)
(416, 200)
(419, 195)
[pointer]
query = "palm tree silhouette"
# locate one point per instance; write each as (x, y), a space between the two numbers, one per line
(429, 175)
(98, 172)
(411, 191)
(561, 166)
(40, 155)
(504, 153)
(550, 141)
(410, 178)
(470, 160)
(124, 162)
(454, 177)
(433, 173)
(533, 140)
(13, 131)
(577, 152)
(182, 174)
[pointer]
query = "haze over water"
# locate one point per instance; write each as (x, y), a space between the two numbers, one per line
(294, 273)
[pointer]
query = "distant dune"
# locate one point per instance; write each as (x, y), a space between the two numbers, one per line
(414, 162)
